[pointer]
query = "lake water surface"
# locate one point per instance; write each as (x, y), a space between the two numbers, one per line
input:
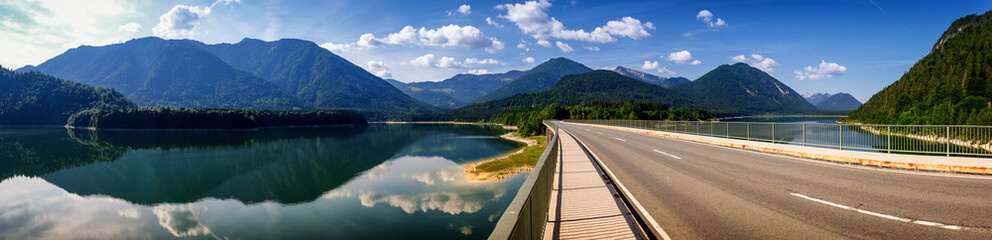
(370, 182)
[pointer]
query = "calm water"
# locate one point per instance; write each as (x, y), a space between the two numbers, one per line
(374, 182)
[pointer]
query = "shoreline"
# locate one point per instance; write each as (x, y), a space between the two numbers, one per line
(481, 177)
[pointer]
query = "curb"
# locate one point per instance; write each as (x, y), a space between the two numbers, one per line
(816, 156)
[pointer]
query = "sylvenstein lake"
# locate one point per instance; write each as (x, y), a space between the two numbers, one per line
(380, 181)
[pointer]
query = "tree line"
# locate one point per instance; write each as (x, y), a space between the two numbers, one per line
(170, 118)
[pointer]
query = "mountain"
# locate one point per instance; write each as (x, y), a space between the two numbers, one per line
(596, 86)
(742, 89)
(169, 73)
(815, 98)
(316, 76)
(539, 78)
(839, 102)
(33, 98)
(648, 78)
(457, 90)
(951, 85)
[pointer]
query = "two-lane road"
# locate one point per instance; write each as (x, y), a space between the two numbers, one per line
(699, 191)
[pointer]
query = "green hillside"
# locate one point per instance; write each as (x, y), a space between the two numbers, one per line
(33, 98)
(742, 89)
(541, 77)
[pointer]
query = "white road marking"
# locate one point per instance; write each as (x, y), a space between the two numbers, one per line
(600, 133)
(670, 155)
(886, 216)
(621, 139)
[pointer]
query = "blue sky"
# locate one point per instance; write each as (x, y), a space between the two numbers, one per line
(856, 46)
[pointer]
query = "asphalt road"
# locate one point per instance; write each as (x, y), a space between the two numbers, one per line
(700, 191)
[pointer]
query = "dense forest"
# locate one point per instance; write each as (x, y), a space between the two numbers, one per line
(951, 85)
(741, 89)
(33, 98)
(529, 122)
(166, 118)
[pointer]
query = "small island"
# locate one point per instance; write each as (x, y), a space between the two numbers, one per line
(169, 118)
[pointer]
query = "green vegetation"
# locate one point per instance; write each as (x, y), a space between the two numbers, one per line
(536, 79)
(529, 123)
(951, 85)
(526, 159)
(741, 89)
(166, 118)
(33, 98)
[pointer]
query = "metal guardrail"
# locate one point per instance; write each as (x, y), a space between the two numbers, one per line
(527, 214)
(947, 140)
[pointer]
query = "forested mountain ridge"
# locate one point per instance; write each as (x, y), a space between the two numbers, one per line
(951, 85)
(316, 76)
(458, 90)
(839, 102)
(595, 86)
(742, 89)
(33, 98)
(539, 78)
(166, 73)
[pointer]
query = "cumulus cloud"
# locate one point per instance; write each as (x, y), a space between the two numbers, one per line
(464, 9)
(338, 48)
(180, 22)
(707, 17)
(478, 71)
(447, 36)
(487, 61)
(532, 18)
(825, 70)
(682, 57)
(544, 43)
(654, 65)
(528, 60)
(379, 69)
(594, 49)
(429, 60)
(757, 61)
(521, 45)
(564, 47)
(130, 27)
(490, 21)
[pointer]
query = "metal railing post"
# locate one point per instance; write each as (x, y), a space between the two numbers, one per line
(804, 134)
(841, 133)
(748, 131)
(773, 132)
(888, 136)
(947, 137)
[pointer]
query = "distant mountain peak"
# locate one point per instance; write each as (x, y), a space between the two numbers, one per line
(648, 78)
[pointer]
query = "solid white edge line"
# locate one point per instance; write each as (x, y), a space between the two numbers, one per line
(881, 215)
(823, 162)
(657, 227)
(670, 155)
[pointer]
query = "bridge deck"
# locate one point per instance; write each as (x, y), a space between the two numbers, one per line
(583, 205)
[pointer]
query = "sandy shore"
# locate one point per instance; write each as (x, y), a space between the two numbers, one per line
(481, 177)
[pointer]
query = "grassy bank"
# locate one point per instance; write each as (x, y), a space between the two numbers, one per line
(519, 161)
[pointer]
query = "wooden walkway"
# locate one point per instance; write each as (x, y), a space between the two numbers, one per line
(583, 205)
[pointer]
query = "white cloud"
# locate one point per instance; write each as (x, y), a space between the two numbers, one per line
(544, 43)
(649, 65)
(532, 18)
(379, 69)
(564, 47)
(487, 61)
(521, 45)
(429, 60)
(130, 27)
(478, 71)
(654, 65)
(594, 49)
(490, 21)
(682, 57)
(464, 9)
(825, 70)
(180, 22)
(338, 48)
(757, 61)
(707, 17)
(446, 36)
(665, 70)
(529, 60)
(34, 31)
